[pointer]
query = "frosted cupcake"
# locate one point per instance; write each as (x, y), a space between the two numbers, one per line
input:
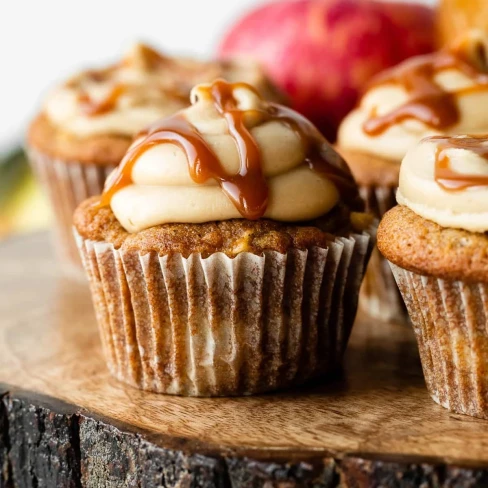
(225, 254)
(437, 243)
(87, 124)
(438, 94)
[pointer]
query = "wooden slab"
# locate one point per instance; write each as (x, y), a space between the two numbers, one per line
(376, 421)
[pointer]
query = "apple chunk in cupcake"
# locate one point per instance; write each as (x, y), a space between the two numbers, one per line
(442, 93)
(227, 250)
(437, 243)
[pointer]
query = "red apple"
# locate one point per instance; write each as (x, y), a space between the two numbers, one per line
(323, 52)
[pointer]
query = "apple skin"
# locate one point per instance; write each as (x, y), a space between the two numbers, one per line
(322, 53)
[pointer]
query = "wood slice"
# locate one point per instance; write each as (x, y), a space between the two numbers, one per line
(64, 421)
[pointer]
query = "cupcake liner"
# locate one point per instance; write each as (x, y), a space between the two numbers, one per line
(379, 295)
(67, 184)
(224, 326)
(450, 321)
(378, 199)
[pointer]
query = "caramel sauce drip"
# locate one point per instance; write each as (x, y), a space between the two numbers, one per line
(449, 179)
(428, 102)
(320, 156)
(107, 104)
(247, 189)
(93, 108)
(152, 59)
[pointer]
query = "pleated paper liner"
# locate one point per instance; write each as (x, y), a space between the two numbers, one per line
(224, 326)
(67, 184)
(379, 295)
(450, 320)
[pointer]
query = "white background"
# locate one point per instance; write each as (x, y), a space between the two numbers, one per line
(42, 41)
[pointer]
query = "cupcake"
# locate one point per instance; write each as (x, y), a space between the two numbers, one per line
(87, 124)
(439, 94)
(436, 241)
(226, 252)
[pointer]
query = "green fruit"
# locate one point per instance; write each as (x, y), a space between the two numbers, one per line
(22, 205)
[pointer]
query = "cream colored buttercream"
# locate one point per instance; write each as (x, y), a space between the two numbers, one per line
(394, 142)
(164, 192)
(464, 209)
(154, 87)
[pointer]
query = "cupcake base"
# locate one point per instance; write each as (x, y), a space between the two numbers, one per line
(67, 184)
(224, 326)
(379, 295)
(450, 320)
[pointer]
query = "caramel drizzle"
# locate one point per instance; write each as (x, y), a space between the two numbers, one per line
(451, 180)
(152, 60)
(92, 108)
(428, 102)
(247, 189)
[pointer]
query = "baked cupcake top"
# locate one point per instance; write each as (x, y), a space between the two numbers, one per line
(437, 94)
(231, 155)
(118, 101)
(440, 227)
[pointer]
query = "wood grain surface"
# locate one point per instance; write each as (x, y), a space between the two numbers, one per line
(378, 411)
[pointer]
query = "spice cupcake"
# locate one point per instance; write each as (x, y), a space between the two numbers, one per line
(439, 94)
(437, 244)
(87, 124)
(225, 254)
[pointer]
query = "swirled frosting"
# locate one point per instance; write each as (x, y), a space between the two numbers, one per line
(229, 155)
(445, 179)
(442, 93)
(145, 86)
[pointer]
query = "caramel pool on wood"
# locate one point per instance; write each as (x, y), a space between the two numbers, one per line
(247, 189)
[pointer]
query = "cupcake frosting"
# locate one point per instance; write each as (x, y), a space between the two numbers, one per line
(145, 86)
(445, 179)
(442, 93)
(229, 155)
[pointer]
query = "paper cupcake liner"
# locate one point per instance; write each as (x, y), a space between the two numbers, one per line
(450, 321)
(220, 326)
(379, 295)
(67, 184)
